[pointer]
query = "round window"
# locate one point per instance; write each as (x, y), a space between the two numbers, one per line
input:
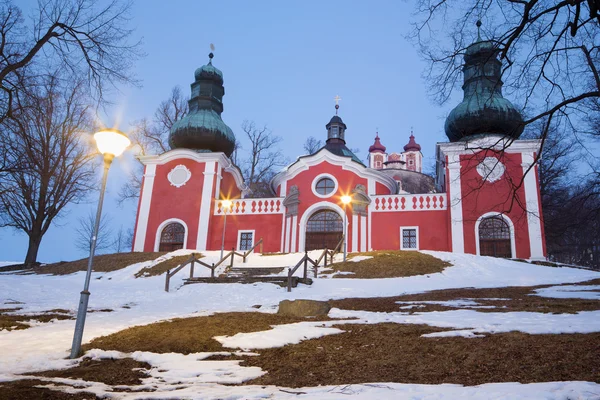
(325, 186)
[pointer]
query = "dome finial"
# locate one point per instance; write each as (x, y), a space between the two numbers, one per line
(337, 99)
(478, 23)
(211, 55)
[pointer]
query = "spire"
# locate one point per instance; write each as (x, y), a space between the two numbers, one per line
(483, 110)
(377, 147)
(337, 103)
(202, 129)
(336, 132)
(412, 144)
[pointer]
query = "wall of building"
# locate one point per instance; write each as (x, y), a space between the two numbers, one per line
(266, 226)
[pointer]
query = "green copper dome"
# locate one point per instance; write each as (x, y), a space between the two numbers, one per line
(483, 109)
(202, 128)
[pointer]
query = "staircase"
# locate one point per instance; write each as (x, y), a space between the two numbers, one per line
(252, 275)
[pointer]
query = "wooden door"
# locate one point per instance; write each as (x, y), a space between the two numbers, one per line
(494, 238)
(323, 229)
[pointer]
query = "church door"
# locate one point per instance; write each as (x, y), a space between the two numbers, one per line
(171, 237)
(323, 229)
(494, 238)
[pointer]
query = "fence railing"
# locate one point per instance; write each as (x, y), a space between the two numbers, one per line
(315, 263)
(191, 261)
(408, 202)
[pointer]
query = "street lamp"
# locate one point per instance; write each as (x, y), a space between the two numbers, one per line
(225, 204)
(111, 143)
(346, 200)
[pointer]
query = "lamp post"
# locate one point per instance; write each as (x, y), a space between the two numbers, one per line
(346, 200)
(111, 143)
(225, 204)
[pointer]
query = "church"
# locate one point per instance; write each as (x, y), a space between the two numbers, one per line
(484, 199)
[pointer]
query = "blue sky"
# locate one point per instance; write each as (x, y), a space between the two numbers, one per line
(283, 63)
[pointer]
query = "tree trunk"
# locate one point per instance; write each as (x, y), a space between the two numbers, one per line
(32, 250)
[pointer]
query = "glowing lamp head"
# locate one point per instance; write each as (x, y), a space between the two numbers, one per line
(111, 141)
(346, 200)
(226, 204)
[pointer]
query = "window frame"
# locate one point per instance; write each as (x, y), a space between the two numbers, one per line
(239, 238)
(317, 179)
(407, 228)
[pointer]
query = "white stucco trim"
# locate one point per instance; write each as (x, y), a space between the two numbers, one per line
(313, 185)
(534, 225)
(354, 233)
(144, 209)
(294, 233)
(239, 237)
(322, 205)
(287, 234)
(163, 225)
(305, 162)
(456, 204)
(282, 244)
(513, 246)
(218, 185)
(363, 233)
(283, 191)
(205, 205)
(403, 228)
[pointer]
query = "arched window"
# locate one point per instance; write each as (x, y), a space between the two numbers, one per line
(323, 229)
(171, 237)
(494, 238)
(325, 186)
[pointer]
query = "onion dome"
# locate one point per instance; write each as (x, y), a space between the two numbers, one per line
(377, 147)
(202, 129)
(483, 110)
(412, 145)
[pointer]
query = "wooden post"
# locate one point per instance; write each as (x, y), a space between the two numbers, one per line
(232, 255)
(289, 289)
(261, 246)
(167, 280)
(326, 253)
(192, 266)
(305, 263)
(212, 271)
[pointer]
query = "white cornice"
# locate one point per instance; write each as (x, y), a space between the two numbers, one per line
(305, 162)
(178, 154)
(492, 142)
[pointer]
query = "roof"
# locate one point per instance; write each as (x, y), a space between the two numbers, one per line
(377, 146)
(340, 149)
(412, 145)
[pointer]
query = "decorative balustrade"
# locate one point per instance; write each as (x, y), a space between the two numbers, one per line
(408, 202)
(251, 206)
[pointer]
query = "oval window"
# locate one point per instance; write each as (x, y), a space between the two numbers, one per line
(325, 186)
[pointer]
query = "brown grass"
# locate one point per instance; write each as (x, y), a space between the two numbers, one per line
(166, 265)
(519, 299)
(109, 371)
(26, 390)
(10, 321)
(102, 263)
(389, 264)
(188, 335)
(397, 353)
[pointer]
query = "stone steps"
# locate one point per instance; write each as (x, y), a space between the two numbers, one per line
(278, 280)
(251, 272)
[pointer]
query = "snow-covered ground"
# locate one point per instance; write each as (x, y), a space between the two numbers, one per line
(143, 301)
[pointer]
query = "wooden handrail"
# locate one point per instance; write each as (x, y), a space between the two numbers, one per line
(260, 242)
(191, 260)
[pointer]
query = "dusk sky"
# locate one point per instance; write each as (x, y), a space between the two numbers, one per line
(283, 63)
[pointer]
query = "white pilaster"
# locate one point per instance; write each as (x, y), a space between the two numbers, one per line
(281, 246)
(294, 232)
(219, 177)
(534, 225)
(354, 232)
(144, 210)
(456, 211)
(283, 191)
(363, 233)
(205, 205)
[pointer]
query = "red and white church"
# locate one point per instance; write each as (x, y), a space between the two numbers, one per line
(484, 199)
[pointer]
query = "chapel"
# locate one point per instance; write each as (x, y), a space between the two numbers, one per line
(484, 198)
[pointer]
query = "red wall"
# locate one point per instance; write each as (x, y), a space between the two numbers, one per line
(229, 189)
(433, 229)
(480, 197)
(267, 226)
(171, 202)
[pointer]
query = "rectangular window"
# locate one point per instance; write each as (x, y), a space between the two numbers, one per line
(409, 238)
(245, 240)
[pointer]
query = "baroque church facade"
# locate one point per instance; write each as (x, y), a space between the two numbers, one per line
(483, 200)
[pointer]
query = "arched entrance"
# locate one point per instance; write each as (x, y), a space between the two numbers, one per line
(172, 237)
(324, 229)
(494, 238)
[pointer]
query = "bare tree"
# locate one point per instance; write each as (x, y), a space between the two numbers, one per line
(312, 145)
(152, 137)
(52, 158)
(263, 160)
(87, 40)
(85, 230)
(122, 240)
(550, 52)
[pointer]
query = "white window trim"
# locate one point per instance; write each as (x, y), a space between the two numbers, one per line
(403, 228)
(239, 238)
(511, 227)
(163, 225)
(317, 179)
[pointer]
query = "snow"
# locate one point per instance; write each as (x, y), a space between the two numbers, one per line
(588, 292)
(5, 263)
(45, 346)
(359, 258)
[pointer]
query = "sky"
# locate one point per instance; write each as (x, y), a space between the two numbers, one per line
(283, 64)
